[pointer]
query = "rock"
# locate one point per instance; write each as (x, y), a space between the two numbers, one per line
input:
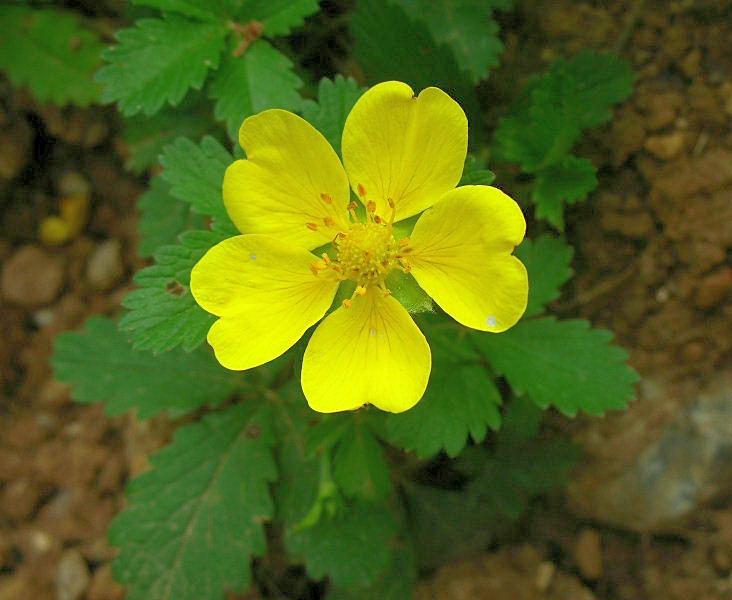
(511, 574)
(635, 226)
(713, 288)
(32, 276)
(691, 62)
(103, 586)
(18, 500)
(666, 147)
(72, 576)
(15, 146)
(660, 108)
(652, 466)
(105, 267)
(588, 554)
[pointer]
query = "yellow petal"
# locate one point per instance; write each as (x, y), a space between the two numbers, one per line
(265, 295)
(291, 182)
(410, 149)
(370, 353)
(462, 257)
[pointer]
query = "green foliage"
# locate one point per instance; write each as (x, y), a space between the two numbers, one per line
(163, 218)
(211, 10)
(466, 26)
(262, 78)
(548, 260)
(51, 52)
(157, 61)
(195, 173)
(163, 313)
(566, 182)
(100, 364)
(548, 119)
(359, 465)
(353, 548)
(461, 401)
(196, 518)
(279, 17)
(391, 45)
(563, 364)
(335, 100)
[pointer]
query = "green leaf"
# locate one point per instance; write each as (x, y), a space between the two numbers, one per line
(335, 100)
(51, 52)
(391, 46)
(261, 78)
(353, 549)
(195, 173)
(163, 313)
(211, 10)
(145, 137)
(158, 61)
(279, 17)
(563, 364)
(466, 26)
(406, 290)
(566, 182)
(550, 114)
(475, 173)
(163, 218)
(396, 583)
(461, 400)
(548, 260)
(101, 366)
(359, 466)
(196, 519)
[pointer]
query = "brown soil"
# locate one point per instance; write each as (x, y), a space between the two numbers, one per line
(658, 236)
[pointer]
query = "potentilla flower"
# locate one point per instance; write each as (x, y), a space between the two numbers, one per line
(403, 155)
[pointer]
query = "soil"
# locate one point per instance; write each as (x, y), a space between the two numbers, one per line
(657, 235)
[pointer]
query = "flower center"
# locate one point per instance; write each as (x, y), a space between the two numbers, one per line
(366, 252)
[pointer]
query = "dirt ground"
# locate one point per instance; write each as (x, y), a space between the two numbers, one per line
(654, 249)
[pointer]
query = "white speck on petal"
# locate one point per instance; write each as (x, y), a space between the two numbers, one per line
(252, 256)
(372, 332)
(491, 321)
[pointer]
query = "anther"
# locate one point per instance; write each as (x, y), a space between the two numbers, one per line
(329, 222)
(326, 258)
(327, 198)
(404, 242)
(312, 226)
(347, 303)
(361, 190)
(378, 220)
(371, 206)
(360, 291)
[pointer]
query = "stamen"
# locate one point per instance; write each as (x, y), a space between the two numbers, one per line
(347, 303)
(360, 291)
(312, 226)
(327, 198)
(326, 258)
(371, 206)
(329, 222)
(361, 190)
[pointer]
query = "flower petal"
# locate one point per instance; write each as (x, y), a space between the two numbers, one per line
(265, 294)
(291, 177)
(462, 257)
(370, 353)
(410, 149)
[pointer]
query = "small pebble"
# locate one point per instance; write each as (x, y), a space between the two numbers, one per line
(588, 554)
(32, 277)
(72, 576)
(105, 268)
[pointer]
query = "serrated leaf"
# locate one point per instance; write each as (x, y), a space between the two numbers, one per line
(335, 100)
(359, 465)
(158, 60)
(550, 114)
(101, 366)
(353, 549)
(461, 401)
(163, 314)
(163, 218)
(396, 583)
(566, 182)
(195, 173)
(391, 46)
(211, 10)
(563, 364)
(145, 137)
(466, 26)
(51, 52)
(548, 260)
(279, 17)
(259, 79)
(198, 516)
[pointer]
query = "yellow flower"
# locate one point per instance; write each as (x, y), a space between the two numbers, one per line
(403, 154)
